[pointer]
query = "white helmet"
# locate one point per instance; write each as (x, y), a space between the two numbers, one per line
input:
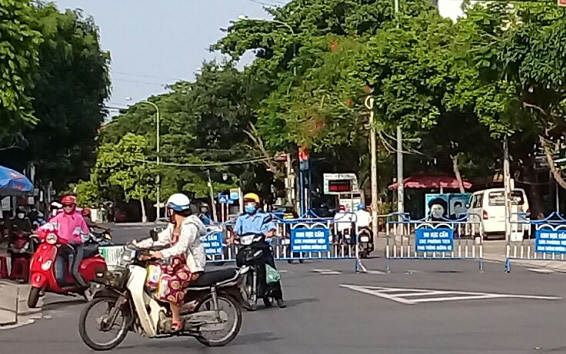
(178, 202)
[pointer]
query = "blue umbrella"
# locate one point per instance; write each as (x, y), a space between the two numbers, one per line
(13, 182)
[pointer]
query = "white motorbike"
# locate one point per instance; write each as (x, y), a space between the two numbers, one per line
(123, 304)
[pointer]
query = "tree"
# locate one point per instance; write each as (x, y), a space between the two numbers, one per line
(122, 165)
(18, 62)
(71, 86)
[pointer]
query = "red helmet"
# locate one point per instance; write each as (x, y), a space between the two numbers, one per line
(85, 212)
(69, 199)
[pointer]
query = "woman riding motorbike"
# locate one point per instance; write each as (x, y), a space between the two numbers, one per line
(183, 259)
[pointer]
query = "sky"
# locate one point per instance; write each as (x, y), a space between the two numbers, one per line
(157, 42)
(153, 43)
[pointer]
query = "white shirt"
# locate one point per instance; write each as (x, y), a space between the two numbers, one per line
(343, 220)
(363, 218)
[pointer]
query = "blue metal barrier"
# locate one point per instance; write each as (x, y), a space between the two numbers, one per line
(426, 239)
(296, 239)
(536, 240)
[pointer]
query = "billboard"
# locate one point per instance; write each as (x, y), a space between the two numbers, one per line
(446, 206)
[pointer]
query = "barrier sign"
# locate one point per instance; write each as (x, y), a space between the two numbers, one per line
(434, 240)
(550, 241)
(310, 240)
(212, 243)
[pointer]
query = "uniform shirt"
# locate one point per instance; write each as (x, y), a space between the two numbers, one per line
(258, 223)
(363, 218)
(343, 220)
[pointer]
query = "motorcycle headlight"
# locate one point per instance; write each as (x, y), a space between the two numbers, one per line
(51, 239)
(45, 266)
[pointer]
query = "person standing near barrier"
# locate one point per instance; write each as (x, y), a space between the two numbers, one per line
(255, 221)
(343, 224)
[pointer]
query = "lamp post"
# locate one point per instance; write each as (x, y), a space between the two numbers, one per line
(158, 138)
(290, 180)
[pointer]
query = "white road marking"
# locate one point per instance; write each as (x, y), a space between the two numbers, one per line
(538, 270)
(327, 271)
(374, 272)
(418, 296)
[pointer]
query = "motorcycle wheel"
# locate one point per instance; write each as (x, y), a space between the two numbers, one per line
(33, 297)
(234, 314)
(122, 329)
(249, 294)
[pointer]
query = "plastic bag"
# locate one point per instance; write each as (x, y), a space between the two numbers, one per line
(153, 275)
(272, 274)
(163, 287)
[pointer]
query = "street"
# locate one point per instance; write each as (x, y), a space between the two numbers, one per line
(420, 307)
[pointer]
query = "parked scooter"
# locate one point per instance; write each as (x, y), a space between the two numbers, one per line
(20, 246)
(43, 277)
(365, 244)
(125, 304)
(251, 255)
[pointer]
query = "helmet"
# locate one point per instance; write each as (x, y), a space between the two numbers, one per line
(69, 199)
(85, 212)
(251, 197)
(361, 206)
(178, 202)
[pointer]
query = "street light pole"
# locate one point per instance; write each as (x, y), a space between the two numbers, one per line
(290, 182)
(158, 142)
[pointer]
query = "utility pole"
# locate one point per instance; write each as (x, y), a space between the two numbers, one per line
(507, 187)
(400, 184)
(373, 153)
(212, 202)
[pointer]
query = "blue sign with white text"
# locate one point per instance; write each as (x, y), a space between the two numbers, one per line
(212, 243)
(310, 240)
(434, 240)
(550, 241)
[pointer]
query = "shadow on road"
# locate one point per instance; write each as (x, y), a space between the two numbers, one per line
(54, 305)
(295, 302)
(253, 338)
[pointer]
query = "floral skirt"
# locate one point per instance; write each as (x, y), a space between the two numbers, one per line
(175, 278)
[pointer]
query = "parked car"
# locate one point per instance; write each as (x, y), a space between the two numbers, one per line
(488, 206)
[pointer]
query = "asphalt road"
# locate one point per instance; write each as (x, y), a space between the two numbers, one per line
(377, 313)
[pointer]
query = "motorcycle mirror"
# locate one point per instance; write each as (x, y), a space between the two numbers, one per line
(154, 235)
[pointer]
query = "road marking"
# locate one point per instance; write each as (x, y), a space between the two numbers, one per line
(327, 271)
(538, 270)
(419, 296)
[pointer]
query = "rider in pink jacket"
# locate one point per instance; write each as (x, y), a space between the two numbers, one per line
(71, 227)
(70, 224)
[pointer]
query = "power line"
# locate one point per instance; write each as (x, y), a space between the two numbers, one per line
(208, 164)
(148, 76)
(262, 3)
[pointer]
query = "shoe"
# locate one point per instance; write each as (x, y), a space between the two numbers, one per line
(281, 303)
(88, 295)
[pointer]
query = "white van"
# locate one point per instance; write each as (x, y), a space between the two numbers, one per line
(488, 205)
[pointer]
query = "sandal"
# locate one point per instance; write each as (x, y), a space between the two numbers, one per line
(177, 326)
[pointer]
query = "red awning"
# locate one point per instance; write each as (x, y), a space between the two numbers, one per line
(431, 182)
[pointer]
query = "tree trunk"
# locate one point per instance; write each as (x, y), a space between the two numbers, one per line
(457, 173)
(535, 196)
(144, 215)
(550, 160)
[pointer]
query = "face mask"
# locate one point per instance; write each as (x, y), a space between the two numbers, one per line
(21, 216)
(250, 208)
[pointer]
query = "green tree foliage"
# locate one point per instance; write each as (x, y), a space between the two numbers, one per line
(122, 165)
(71, 87)
(19, 43)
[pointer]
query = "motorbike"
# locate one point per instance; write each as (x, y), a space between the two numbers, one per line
(42, 274)
(251, 254)
(127, 305)
(20, 246)
(365, 244)
(102, 237)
